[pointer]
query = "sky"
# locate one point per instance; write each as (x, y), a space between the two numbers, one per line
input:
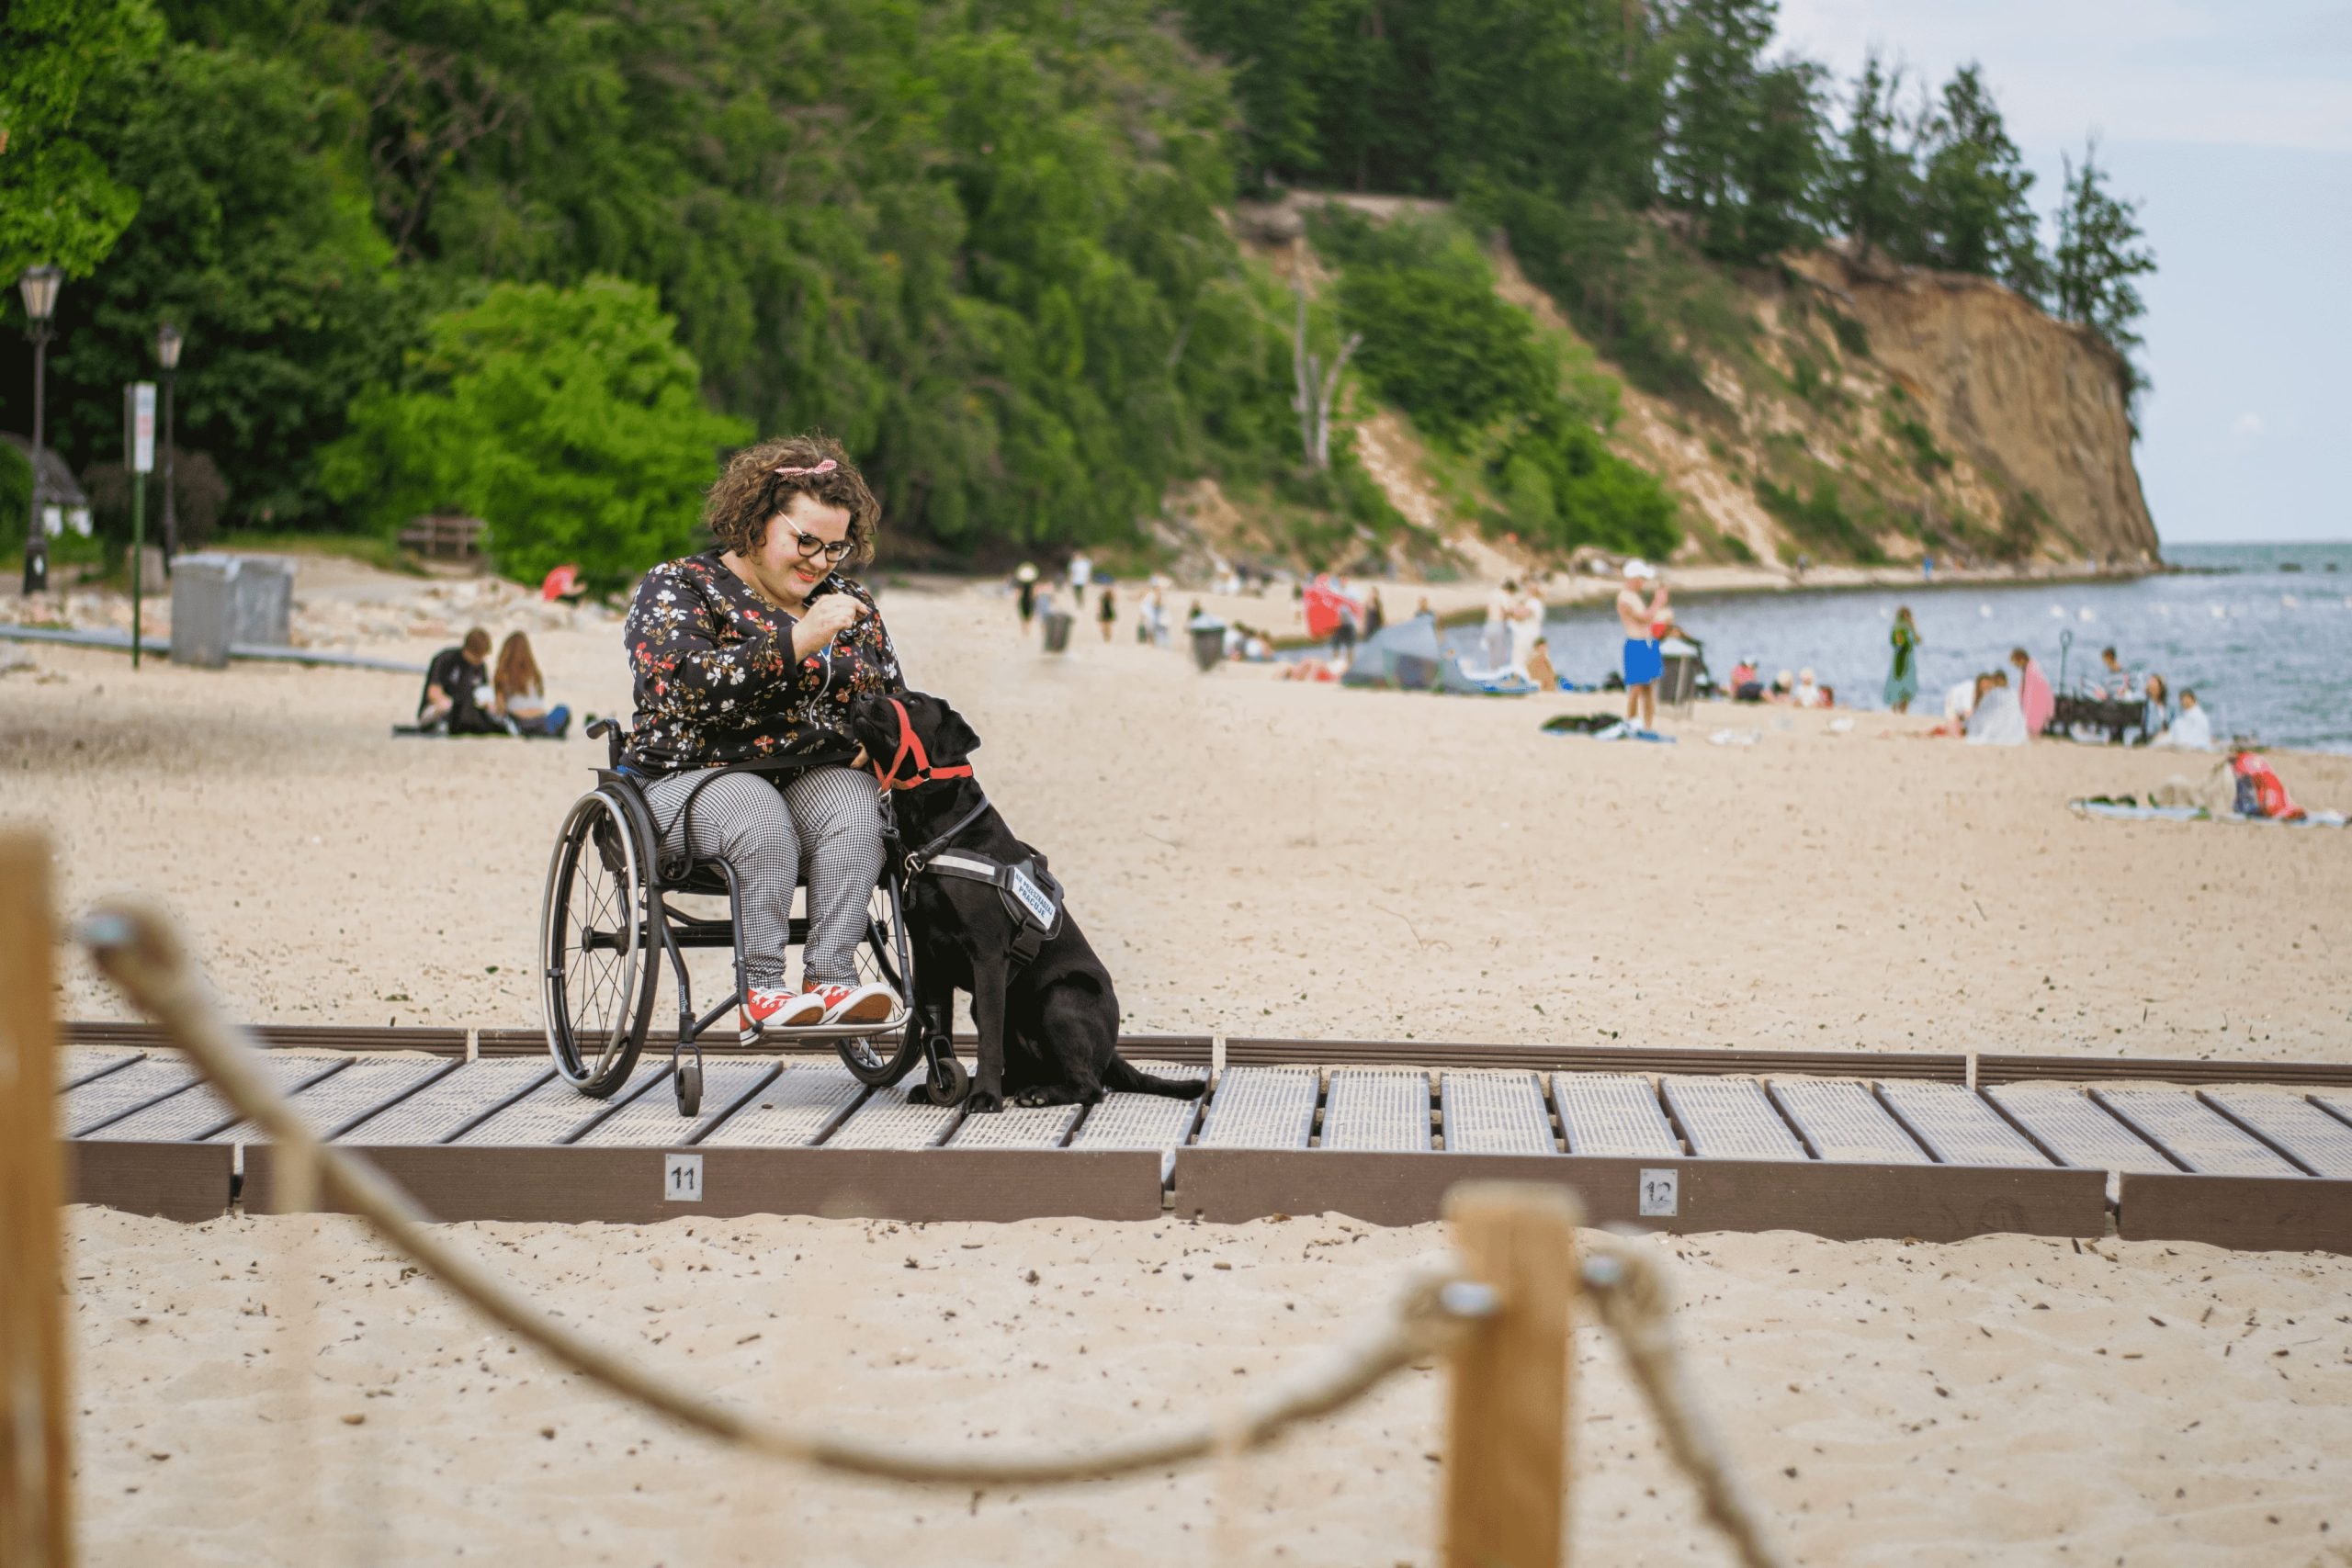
(2231, 123)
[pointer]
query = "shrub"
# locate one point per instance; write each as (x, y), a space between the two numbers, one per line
(1819, 518)
(1563, 487)
(568, 419)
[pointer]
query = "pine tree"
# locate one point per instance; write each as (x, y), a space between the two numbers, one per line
(2101, 248)
(1874, 185)
(1974, 198)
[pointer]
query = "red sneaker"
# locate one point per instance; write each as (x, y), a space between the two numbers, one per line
(764, 1010)
(869, 1003)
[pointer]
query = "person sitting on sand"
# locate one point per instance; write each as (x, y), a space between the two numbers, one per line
(1783, 688)
(1809, 693)
(752, 651)
(1539, 664)
(2191, 728)
(1959, 703)
(2036, 702)
(455, 698)
(1999, 718)
(519, 696)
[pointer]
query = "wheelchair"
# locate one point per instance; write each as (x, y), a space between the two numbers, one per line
(607, 922)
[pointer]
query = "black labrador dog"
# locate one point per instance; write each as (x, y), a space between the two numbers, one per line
(1048, 1019)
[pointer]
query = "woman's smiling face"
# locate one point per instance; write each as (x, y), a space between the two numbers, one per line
(780, 564)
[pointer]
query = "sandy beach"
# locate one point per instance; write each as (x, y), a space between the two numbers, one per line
(1252, 857)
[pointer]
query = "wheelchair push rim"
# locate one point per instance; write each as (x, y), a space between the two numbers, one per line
(597, 976)
(884, 1055)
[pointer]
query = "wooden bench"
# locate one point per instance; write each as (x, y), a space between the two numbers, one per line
(445, 538)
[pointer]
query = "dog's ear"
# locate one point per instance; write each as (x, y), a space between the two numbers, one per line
(952, 739)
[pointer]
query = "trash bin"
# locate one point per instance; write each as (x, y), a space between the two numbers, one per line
(223, 600)
(203, 608)
(1678, 684)
(261, 602)
(1209, 642)
(1058, 631)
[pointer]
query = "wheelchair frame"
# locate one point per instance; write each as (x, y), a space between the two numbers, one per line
(656, 925)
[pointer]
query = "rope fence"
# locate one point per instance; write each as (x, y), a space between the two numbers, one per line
(1448, 1314)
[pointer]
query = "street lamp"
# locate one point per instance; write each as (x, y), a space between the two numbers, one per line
(39, 286)
(167, 355)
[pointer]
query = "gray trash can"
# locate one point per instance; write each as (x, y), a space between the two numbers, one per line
(1058, 631)
(1678, 685)
(261, 609)
(1208, 643)
(203, 610)
(220, 600)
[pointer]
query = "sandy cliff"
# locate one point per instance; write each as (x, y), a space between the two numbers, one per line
(2022, 396)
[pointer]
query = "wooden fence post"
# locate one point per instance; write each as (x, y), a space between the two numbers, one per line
(35, 1475)
(1506, 1479)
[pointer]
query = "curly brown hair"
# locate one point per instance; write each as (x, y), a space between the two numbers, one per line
(750, 493)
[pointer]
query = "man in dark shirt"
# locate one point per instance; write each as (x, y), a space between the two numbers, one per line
(450, 682)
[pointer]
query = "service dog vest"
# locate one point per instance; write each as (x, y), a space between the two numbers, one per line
(1031, 894)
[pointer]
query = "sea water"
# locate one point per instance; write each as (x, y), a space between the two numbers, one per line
(2262, 633)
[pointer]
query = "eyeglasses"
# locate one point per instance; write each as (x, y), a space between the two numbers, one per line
(835, 551)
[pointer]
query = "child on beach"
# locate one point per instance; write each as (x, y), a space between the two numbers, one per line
(1903, 676)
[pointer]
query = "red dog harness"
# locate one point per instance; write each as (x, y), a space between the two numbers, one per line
(911, 745)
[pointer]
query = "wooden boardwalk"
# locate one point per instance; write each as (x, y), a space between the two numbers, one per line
(1849, 1153)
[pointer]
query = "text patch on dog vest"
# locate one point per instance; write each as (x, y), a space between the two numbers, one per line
(1033, 898)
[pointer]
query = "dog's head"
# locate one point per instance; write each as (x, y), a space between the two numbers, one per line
(947, 739)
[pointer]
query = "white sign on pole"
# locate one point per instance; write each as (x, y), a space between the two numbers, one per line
(142, 427)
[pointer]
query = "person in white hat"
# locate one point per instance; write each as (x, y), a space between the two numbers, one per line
(1642, 619)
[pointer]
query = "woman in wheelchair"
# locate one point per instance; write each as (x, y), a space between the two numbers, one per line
(752, 652)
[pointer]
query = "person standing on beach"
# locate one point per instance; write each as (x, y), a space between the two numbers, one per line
(2034, 695)
(1082, 572)
(1494, 643)
(1641, 620)
(1025, 584)
(1109, 614)
(1903, 677)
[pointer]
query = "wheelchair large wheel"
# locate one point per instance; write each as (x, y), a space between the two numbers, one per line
(884, 955)
(597, 950)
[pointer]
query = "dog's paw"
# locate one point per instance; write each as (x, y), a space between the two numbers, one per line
(979, 1103)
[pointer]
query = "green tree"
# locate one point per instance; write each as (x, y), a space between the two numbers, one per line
(1873, 177)
(254, 236)
(1742, 154)
(1975, 199)
(2101, 249)
(570, 420)
(59, 201)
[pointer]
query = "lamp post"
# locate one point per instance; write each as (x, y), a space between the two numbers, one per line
(39, 286)
(168, 353)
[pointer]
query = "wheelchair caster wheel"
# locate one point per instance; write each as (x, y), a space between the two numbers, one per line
(948, 1083)
(689, 1086)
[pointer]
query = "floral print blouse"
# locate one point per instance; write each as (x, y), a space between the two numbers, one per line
(716, 679)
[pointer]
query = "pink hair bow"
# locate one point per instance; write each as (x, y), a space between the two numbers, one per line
(827, 467)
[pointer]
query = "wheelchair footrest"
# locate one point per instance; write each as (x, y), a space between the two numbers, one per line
(827, 1032)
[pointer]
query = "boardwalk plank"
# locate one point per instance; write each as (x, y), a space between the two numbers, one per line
(1957, 1126)
(1377, 1108)
(1842, 1121)
(1263, 1108)
(1612, 1113)
(1494, 1113)
(2074, 1127)
(1730, 1119)
(2193, 1133)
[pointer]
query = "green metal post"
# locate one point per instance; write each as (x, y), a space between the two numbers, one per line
(138, 549)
